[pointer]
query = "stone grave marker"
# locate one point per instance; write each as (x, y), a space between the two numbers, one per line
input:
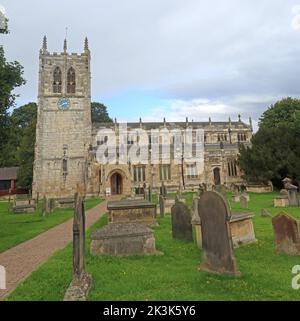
(81, 283)
(243, 202)
(196, 222)
(123, 240)
(161, 206)
(150, 193)
(292, 192)
(286, 234)
(181, 222)
(218, 256)
(163, 190)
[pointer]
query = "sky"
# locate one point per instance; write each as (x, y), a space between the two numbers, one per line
(172, 58)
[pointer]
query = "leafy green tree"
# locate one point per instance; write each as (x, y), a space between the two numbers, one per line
(275, 150)
(25, 156)
(11, 76)
(23, 116)
(23, 121)
(283, 112)
(100, 113)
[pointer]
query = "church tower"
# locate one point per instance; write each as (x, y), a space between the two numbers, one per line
(63, 133)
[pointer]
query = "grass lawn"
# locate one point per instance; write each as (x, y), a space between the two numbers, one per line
(17, 228)
(174, 276)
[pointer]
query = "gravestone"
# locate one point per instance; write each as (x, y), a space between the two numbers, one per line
(181, 222)
(161, 206)
(132, 211)
(196, 222)
(265, 213)
(286, 234)
(150, 193)
(82, 281)
(292, 192)
(163, 190)
(242, 229)
(45, 206)
(243, 202)
(282, 200)
(123, 240)
(217, 244)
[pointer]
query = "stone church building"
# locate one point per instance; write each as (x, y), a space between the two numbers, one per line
(67, 140)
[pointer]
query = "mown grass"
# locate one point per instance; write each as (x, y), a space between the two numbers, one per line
(174, 276)
(17, 228)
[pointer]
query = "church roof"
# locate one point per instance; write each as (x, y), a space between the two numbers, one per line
(196, 125)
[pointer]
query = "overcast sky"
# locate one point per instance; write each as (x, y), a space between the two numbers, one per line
(167, 58)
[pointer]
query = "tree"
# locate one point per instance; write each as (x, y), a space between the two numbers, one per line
(25, 156)
(100, 114)
(10, 77)
(3, 23)
(285, 111)
(275, 150)
(23, 121)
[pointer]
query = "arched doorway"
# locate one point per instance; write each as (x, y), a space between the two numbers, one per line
(217, 176)
(116, 184)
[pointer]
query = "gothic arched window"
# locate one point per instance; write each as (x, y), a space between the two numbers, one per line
(57, 80)
(71, 81)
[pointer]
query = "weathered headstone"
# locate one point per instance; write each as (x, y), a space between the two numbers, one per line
(217, 244)
(161, 206)
(181, 222)
(265, 213)
(150, 193)
(292, 192)
(281, 200)
(81, 283)
(242, 229)
(196, 222)
(132, 211)
(163, 190)
(243, 202)
(286, 234)
(123, 240)
(45, 206)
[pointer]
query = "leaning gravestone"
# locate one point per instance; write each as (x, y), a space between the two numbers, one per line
(243, 202)
(217, 243)
(81, 283)
(286, 234)
(181, 222)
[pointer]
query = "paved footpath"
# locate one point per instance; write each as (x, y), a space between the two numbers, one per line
(21, 260)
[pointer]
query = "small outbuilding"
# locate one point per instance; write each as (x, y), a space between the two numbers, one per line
(8, 176)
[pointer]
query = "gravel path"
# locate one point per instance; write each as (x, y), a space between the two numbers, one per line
(21, 260)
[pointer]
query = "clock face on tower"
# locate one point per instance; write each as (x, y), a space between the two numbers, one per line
(63, 103)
